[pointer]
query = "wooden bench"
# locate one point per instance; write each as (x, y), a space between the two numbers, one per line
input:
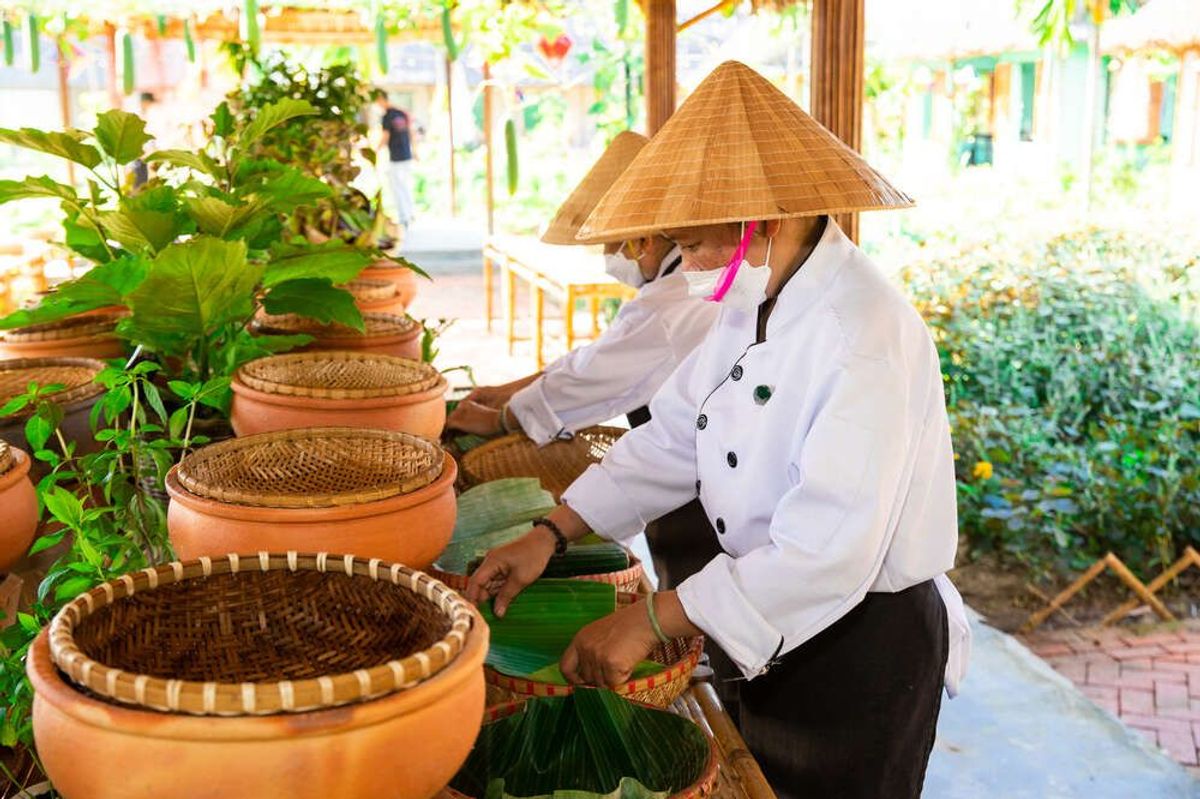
(567, 274)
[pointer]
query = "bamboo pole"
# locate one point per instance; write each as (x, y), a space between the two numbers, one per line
(489, 154)
(838, 67)
(1190, 558)
(64, 98)
(737, 755)
(660, 63)
(450, 112)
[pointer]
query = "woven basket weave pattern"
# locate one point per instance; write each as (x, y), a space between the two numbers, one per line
(74, 374)
(6, 457)
(368, 289)
(71, 327)
(339, 375)
(377, 324)
(312, 468)
(261, 634)
(571, 215)
(555, 465)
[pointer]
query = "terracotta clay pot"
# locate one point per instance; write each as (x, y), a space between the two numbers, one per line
(411, 527)
(338, 389)
(88, 335)
(386, 334)
(76, 399)
(18, 506)
(376, 295)
(402, 277)
(405, 745)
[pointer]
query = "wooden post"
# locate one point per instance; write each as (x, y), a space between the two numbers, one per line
(450, 112)
(660, 63)
(838, 66)
(489, 155)
(110, 47)
(64, 98)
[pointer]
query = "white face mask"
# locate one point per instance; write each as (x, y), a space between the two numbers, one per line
(749, 287)
(623, 268)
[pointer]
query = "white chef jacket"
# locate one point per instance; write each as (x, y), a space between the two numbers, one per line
(622, 369)
(821, 455)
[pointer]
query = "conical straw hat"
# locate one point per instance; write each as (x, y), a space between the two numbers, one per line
(737, 149)
(575, 210)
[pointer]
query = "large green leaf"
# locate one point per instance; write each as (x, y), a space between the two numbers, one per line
(142, 231)
(316, 299)
(497, 504)
(290, 189)
(199, 161)
(590, 745)
(333, 260)
(65, 145)
(222, 120)
(194, 288)
(273, 115)
(102, 286)
(82, 236)
(43, 186)
(219, 218)
(122, 135)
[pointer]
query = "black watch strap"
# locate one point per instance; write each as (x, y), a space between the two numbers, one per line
(560, 540)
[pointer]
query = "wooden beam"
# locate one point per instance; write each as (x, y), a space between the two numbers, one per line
(64, 97)
(705, 14)
(838, 67)
(489, 155)
(450, 119)
(110, 49)
(660, 63)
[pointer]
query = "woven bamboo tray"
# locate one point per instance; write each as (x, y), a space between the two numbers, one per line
(6, 457)
(379, 325)
(69, 328)
(680, 656)
(74, 374)
(339, 375)
(259, 634)
(312, 468)
(702, 787)
(370, 290)
(627, 580)
(555, 465)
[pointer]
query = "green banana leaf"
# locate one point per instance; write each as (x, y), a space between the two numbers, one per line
(499, 504)
(461, 557)
(583, 559)
(590, 745)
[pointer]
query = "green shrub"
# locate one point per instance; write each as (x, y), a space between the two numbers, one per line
(1072, 379)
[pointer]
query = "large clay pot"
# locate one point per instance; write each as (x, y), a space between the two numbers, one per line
(404, 278)
(386, 334)
(403, 744)
(375, 493)
(376, 295)
(89, 335)
(338, 389)
(18, 506)
(77, 397)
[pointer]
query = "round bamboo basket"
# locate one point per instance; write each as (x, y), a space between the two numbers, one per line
(83, 336)
(385, 333)
(680, 657)
(627, 580)
(704, 785)
(376, 295)
(555, 465)
(78, 394)
(6, 457)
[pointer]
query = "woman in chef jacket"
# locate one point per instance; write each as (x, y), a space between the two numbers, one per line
(812, 426)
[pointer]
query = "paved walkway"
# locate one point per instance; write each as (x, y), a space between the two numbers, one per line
(1151, 680)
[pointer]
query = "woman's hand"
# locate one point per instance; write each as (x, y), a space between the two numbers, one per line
(605, 653)
(508, 569)
(490, 396)
(471, 417)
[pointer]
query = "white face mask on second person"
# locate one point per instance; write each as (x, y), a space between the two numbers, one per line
(745, 289)
(623, 268)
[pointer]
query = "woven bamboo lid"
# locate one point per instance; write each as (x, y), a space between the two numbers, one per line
(377, 324)
(571, 215)
(318, 467)
(75, 375)
(6, 457)
(556, 465)
(259, 634)
(738, 149)
(339, 375)
(71, 327)
(369, 289)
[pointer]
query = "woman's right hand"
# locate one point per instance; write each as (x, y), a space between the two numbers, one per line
(490, 396)
(508, 569)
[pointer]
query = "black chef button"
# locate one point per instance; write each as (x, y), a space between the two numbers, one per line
(721, 526)
(736, 374)
(697, 486)
(702, 422)
(731, 459)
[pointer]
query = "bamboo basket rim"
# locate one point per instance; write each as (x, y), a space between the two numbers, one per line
(214, 698)
(377, 324)
(676, 672)
(78, 390)
(492, 461)
(702, 787)
(6, 457)
(71, 327)
(292, 374)
(367, 289)
(193, 476)
(626, 580)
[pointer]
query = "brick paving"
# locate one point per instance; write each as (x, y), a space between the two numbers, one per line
(1149, 679)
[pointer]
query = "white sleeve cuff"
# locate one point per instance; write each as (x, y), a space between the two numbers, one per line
(606, 508)
(537, 418)
(715, 602)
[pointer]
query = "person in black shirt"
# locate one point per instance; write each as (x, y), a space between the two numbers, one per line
(397, 135)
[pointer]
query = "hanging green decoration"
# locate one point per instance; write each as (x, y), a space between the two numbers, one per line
(162, 24)
(127, 67)
(10, 47)
(189, 41)
(622, 16)
(448, 33)
(35, 44)
(510, 146)
(252, 33)
(381, 44)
